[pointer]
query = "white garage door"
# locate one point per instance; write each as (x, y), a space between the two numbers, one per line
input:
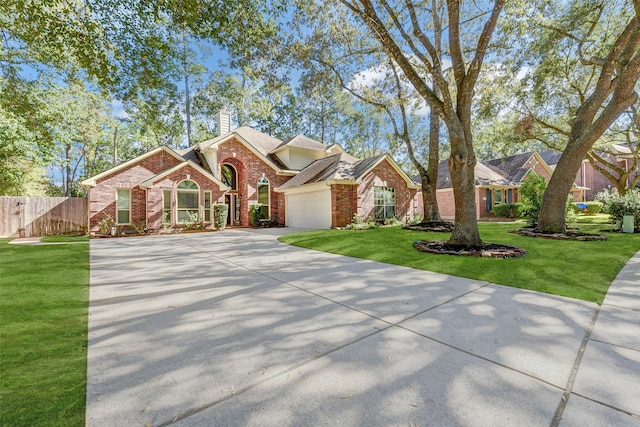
(309, 210)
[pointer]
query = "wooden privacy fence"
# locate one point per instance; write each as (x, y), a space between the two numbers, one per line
(42, 216)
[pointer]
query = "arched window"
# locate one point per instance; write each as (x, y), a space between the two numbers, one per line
(229, 176)
(263, 197)
(188, 201)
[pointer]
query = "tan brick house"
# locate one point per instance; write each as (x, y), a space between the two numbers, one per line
(299, 182)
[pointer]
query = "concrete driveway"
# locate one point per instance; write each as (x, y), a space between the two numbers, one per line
(237, 329)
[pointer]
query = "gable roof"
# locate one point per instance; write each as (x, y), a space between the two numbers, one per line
(550, 157)
(91, 181)
(148, 183)
(341, 167)
(301, 141)
(510, 170)
(259, 143)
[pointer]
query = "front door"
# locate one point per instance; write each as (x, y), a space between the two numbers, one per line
(233, 208)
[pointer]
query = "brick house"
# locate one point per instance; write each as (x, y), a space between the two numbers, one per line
(497, 181)
(623, 159)
(299, 183)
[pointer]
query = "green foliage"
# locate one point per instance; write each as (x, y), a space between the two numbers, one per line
(618, 206)
(415, 219)
(531, 194)
(255, 215)
(570, 215)
(139, 226)
(193, 222)
(220, 212)
(106, 224)
(507, 210)
(362, 223)
(593, 208)
(392, 221)
(43, 334)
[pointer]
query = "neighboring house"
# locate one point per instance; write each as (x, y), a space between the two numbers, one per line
(299, 182)
(619, 155)
(496, 181)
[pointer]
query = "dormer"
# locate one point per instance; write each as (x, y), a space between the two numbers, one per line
(300, 151)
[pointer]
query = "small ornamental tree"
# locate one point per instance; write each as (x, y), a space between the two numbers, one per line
(220, 211)
(531, 194)
(255, 214)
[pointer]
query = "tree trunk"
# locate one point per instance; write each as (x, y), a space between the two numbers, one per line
(461, 168)
(613, 94)
(430, 181)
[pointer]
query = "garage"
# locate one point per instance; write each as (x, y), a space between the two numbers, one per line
(309, 209)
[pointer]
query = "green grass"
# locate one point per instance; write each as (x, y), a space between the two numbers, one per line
(43, 334)
(576, 269)
(594, 219)
(66, 238)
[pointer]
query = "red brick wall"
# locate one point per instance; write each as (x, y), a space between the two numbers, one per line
(446, 203)
(250, 168)
(146, 205)
(171, 182)
(344, 204)
(384, 175)
(102, 197)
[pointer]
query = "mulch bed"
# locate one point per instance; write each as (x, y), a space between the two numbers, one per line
(486, 250)
(438, 227)
(568, 235)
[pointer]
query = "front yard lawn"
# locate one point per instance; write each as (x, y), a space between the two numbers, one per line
(43, 333)
(576, 269)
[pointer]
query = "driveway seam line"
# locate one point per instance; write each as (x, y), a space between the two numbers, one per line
(248, 388)
(615, 408)
(564, 400)
(390, 325)
(615, 345)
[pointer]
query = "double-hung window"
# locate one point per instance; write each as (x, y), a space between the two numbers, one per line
(384, 203)
(123, 207)
(188, 201)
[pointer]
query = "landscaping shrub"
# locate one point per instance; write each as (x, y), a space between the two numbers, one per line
(507, 210)
(254, 213)
(193, 222)
(220, 211)
(618, 206)
(502, 210)
(531, 192)
(362, 223)
(106, 224)
(593, 207)
(392, 221)
(415, 219)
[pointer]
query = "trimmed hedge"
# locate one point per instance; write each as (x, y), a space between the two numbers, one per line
(593, 207)
(507, 210)
(220, 211)
(254, 213)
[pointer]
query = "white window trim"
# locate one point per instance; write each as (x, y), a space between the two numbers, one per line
(194, 191)
(171, 215)
(128, 208)
(268, 204)
(235, 172)
(205, 209)
(386, 188)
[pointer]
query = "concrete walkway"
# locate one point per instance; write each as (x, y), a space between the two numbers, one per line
(237, 329)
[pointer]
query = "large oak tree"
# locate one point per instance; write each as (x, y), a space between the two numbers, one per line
(404, 30)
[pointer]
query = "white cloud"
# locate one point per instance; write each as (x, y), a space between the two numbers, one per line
(118, 110)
